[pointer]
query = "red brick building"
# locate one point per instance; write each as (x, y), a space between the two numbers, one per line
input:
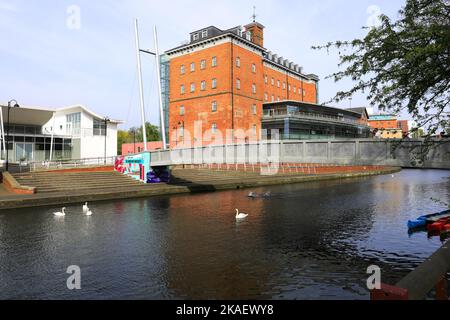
(222, 78)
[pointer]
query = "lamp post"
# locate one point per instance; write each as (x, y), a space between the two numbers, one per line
(181, 125)
(134, 141)
(106, 133)
(10, 105)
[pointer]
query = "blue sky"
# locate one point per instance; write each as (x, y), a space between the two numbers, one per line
(45, 63)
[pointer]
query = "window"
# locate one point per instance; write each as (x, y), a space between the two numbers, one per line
(203, 85)
(214, 61)
(278, 99)
(266, 80)
(203, 64)
(278, 83)
(238, 84)
(99, 127)
(73, 123)
(254, 88)
(254, 68)
(214, 128)
(192, 87)
(273, 81)
(195, 36)
(284, 85)
(182, 89)
(266, 97)
(254, 129)
(181, 110)
(214, 106)
(248, 35)
(204, 33)
(289, 87)
(295, 89)
(254, 109)
(238, 62)
(192, 67)
(182, 130)
(273, 98)
(182, 69)
(304, 92)
(214, 83)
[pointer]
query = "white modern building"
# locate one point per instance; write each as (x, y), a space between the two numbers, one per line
(39, 134)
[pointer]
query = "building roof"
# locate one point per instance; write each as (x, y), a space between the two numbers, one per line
(88, 111)
(215, 33)
(361, 111)
(38, 116)
(312, 107)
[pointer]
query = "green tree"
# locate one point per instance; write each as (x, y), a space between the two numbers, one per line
(153, 133)
(403, 65)
(123, 136)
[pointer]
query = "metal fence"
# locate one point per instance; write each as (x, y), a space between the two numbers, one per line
(59, 164)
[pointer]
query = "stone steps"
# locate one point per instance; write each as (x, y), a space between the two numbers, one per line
(53, 182)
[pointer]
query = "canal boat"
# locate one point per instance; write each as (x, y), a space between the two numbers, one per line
(422, 221)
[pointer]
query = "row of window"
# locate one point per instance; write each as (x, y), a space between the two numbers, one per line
(202, 65)
(214, 108)
(266, 97)
(272, 82)
(213, 64)
(202, 86)
(213, 129)
(196, 36)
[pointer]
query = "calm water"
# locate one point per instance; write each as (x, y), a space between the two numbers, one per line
(308, 241)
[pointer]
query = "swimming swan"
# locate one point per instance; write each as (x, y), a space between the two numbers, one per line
(85, 208)
(252, 195)
(240, 215)
(89, 212)
(60, 214)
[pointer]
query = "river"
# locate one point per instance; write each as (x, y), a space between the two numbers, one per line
(307, 241)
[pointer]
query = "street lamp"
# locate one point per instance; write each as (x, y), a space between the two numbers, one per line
(134, 141)
(11, 104)
(106, 133)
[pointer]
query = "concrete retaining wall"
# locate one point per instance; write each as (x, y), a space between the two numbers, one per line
(346, 152)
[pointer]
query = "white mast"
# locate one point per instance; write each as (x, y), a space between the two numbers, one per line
(161, 111)
(141, 86)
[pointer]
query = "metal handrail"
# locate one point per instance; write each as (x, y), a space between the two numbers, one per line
(310, 116)
(64, 163)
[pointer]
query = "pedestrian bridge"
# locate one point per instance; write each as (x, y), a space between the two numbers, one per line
(406, 153)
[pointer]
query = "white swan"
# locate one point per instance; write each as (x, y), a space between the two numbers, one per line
(60, 214)
(89, 212)
(268, 194)
(240, 215)
(252, 195)
(85, 208)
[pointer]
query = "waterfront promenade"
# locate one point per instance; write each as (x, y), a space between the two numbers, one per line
(184, 180)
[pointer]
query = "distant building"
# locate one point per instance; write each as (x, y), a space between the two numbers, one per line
(363, 112)
(223, 78)
(132, 148)
(304, 121)
(73, 132)
(385, 126)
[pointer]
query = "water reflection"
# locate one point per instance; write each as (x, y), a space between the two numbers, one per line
(306, 241)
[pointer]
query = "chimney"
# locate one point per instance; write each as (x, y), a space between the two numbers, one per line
(257, 31)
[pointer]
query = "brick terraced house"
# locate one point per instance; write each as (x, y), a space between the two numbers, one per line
(222, 78)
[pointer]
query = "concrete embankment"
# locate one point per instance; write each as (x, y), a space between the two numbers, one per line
(184, 181)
